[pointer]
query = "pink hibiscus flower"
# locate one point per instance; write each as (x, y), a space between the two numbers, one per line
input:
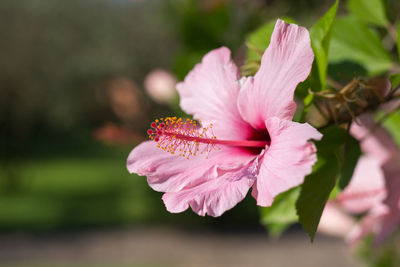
(364, 194)
(383, 217)
(250, 141)
(374, 189)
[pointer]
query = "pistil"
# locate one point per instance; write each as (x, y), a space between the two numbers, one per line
(244, 143)
(186, 138)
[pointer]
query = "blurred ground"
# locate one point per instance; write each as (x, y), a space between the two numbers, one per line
(171, 247)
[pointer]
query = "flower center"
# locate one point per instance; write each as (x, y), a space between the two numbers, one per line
(186, 138)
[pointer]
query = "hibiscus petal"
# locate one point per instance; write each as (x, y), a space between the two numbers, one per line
(286, 62)
(210, 92)
(171, 173)
(214, 197)
(366, 188)
(287, 161)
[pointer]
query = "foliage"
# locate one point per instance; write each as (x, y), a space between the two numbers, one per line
(394, 80)
(282, 213)
(372, 11)
(354, 42)
(392, 124)
(349, 50)
(320, 35)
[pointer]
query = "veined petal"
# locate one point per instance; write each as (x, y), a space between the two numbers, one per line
(287, 161)
(214, 197)
(171, 173)
(286, 62)
(210, 93)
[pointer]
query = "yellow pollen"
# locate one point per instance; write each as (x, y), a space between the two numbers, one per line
(183, 135)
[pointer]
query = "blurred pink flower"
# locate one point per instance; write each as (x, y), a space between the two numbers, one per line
(383, 218)
(364, 193)
(373, 190)
(366, 189)
(258, 144)
(160, 86)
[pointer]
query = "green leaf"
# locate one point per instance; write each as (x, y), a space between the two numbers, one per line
(392, 124)
(259, 40)
(318, 185)
(282, 213)
(335, 192)
(394, 79)
(354, 43)
(315, 192)
(369, 11)
(352, 152)
(398, 40)
(320, 35)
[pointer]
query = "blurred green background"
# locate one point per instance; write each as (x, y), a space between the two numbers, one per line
(73, 104)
